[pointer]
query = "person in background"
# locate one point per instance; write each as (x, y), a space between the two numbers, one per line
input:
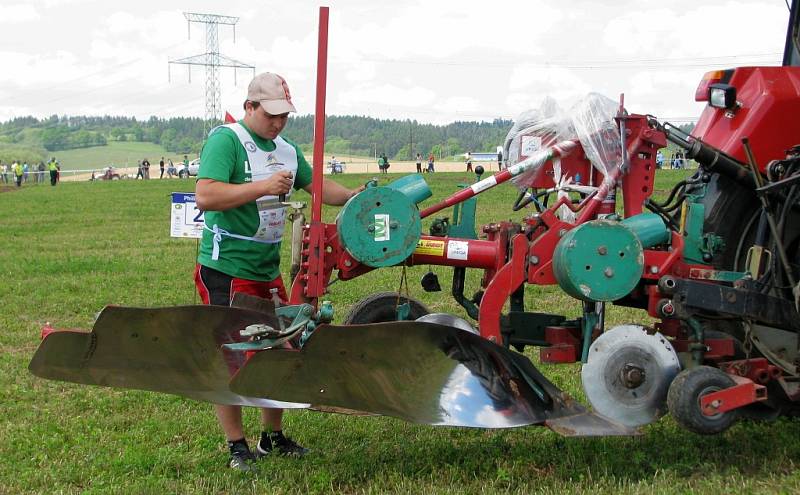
(25, 171)
(382, 164)
(171, 170)
(140, 171)
(245, 168)
(4, 172)
(430, 162)
(499, 160)
(17, 173)
(41, 172)
(419, 162)
(52, 166)
(659, 159)
(146, 169)
(161, 166)
(469, 161)
(186, 165)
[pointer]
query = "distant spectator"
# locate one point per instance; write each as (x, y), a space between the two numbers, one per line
(17, 173)
(469, 161)
(499, 160)
(25, 171)
(40, 172)
(140, 170)
(171, 170)
(146, 169)
(186, 165)
(659, 159)
(419, 163)
(383, 164)
(58, 171)
(430, 162)
(4, 172)
(52, 165)
(161, 166)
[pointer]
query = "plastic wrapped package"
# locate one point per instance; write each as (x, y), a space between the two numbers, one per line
(593, 120)
(533, 131)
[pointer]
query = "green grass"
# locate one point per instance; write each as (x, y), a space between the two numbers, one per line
(118, 154)
(67, 251)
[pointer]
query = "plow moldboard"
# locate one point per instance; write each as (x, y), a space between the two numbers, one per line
(173, 350)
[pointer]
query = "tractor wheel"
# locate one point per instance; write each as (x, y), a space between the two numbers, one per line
(382, 307)
(683, 400)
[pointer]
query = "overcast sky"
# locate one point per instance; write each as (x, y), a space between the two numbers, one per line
(431, 60)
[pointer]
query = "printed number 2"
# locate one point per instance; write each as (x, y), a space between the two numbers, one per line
(199, 217)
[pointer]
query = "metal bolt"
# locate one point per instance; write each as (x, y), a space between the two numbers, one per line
(371, 228)
(608, 272)
(602, 250)
(347, 263)
(562, 232)
(393, 224)
(534, 260)
(632, 376)
(654, 269)
(492, 339)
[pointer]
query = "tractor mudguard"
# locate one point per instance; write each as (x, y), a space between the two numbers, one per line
(174, 350)
(420, 372)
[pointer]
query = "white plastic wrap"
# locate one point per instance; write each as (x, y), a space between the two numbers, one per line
(533, 131)
(593, 120)
(590, 121)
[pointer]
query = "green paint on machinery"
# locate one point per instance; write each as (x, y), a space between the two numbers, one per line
(601, 260)
(381, 226)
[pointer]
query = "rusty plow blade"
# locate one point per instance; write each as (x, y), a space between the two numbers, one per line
(175, 350)
(420, 372)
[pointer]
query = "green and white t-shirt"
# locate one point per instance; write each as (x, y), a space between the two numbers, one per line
(224, 159)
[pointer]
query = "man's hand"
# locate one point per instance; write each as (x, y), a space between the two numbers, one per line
(277, 184)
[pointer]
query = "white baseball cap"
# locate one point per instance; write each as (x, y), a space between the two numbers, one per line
(272, 92)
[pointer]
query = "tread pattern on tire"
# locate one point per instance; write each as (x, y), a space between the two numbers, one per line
(380, 307)
(683, 400)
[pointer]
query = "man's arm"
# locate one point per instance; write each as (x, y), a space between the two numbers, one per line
(213, 195)
(335, 194)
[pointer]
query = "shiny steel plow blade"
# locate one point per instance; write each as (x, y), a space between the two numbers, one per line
(173, 350)
(419, 372)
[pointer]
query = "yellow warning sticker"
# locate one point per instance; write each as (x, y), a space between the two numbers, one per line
(430, 247)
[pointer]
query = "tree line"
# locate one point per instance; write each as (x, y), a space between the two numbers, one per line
(353, 135)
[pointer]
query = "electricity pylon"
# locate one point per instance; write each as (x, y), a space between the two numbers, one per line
(212, 60)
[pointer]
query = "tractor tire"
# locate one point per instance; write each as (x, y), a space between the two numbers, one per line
(381, 307)
(683, 400)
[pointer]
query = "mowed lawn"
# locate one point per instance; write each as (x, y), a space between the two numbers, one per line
(67, 251)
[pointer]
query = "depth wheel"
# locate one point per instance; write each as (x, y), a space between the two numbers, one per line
(382, 307)
(683, 400)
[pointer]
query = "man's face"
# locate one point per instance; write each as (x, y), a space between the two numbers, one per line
(266, 125)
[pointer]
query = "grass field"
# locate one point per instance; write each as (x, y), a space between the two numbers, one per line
(67, 251)
(118, 154)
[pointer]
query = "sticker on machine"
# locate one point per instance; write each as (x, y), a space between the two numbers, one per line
(457, 250)
(381, 227)
(483, 185)
(430, 247)
(530, 145)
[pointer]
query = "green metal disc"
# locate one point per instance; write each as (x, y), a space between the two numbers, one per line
(600, 260)
(379, 227)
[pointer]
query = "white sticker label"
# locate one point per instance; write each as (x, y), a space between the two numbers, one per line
(381, 227)
(457, 250)
(530, 145)
(484, 184)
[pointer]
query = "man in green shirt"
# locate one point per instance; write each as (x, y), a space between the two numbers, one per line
(245, 168)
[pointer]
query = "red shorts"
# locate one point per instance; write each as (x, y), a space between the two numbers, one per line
(218, 288)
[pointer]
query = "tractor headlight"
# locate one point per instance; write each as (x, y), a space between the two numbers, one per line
(722, 96)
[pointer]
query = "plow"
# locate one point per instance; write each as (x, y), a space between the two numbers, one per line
(714, 270)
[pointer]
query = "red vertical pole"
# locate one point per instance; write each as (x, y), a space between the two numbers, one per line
(313, 280)
(319, 116)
